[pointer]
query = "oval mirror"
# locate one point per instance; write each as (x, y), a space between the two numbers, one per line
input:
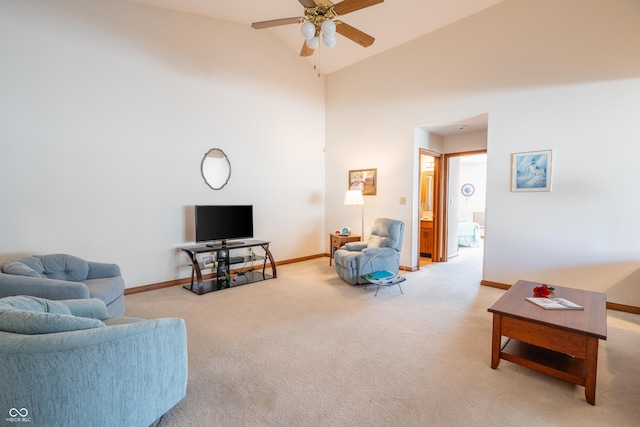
(216, 168)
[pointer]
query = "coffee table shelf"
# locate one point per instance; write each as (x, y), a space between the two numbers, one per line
(553, 363)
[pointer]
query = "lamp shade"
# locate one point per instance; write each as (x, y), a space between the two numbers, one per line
(354, 197)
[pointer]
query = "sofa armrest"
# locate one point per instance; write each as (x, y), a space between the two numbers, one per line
(92, 308)
(381, 252)
(98, 270)
(11, 285)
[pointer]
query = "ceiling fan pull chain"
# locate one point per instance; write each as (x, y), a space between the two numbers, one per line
(317, 64)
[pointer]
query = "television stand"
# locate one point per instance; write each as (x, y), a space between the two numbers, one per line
(218, 279)
(223, 244)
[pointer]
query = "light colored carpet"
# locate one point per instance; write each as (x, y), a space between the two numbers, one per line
(307, 349)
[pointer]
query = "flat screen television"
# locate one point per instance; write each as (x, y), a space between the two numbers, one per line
(220, 223)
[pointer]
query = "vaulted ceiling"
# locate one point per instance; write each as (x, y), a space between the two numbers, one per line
(391, 23)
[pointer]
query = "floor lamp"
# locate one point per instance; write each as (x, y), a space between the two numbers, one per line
(354, 198)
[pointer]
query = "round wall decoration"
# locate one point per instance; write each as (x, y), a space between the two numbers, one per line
(468, 190)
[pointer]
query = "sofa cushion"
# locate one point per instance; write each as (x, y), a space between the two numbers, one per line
(19, 269)
(31, 303)
(393, 229)
(33, 263)
(59, 266)
(31, 315)
(379, 242)
(64, 267)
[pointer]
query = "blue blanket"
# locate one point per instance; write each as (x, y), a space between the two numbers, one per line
(468, 233)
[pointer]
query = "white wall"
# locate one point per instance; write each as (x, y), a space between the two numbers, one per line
(106, 110)
(474, 173)
(561, 75)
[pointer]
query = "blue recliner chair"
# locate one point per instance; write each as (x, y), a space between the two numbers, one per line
(67, 363)
(380, 252)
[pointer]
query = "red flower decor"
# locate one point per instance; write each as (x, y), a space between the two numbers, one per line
(542, 291)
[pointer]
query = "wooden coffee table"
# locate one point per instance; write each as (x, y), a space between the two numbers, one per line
(560, 343)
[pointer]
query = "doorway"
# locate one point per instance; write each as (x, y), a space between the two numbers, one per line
(465, 193)
(429, 207)
(460, 139)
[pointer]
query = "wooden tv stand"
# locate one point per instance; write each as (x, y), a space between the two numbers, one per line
(222, 265)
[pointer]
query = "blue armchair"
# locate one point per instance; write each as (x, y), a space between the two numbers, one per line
(380, 252)
(68, 363)
(61, 276)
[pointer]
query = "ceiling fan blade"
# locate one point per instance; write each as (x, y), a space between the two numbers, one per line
(363, 39)
(276, 22)
(306, 50)
(307, 3)
(348, 6)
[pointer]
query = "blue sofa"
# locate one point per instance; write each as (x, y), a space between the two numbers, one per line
(62, 276)
(67, 363)
(380, 252)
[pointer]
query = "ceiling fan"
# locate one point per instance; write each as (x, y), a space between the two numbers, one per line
(319, 21)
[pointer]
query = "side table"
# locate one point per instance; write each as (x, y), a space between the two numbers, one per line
(336, 241)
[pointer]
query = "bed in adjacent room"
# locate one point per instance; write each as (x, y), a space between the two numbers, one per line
(468, 233)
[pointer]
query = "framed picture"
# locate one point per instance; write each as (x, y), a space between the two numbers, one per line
(208, 262)
(364, 180)
(531, 171)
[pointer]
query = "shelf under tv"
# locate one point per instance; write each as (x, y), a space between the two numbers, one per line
(211, 285)
(218, 280)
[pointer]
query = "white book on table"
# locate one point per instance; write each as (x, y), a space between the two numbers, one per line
(555, 303)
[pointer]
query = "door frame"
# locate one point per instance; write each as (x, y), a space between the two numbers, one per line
(443, 225)
(437, 201)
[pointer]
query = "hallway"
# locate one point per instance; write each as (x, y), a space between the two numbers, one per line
(472, 256)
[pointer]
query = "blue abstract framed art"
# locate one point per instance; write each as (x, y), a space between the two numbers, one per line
(531, 171)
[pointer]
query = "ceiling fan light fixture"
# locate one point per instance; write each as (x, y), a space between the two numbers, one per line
(328, 28)
(329, 41)
(313, 42)
(308, 30)
(319, 21)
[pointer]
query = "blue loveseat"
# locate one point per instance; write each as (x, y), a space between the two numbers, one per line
(62, 276)
(67, 363)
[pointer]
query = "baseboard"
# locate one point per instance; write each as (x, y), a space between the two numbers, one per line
(177, 282)
(154, 286)
(494, 284)
(610, 305)
(304, 258)
(623, 307)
